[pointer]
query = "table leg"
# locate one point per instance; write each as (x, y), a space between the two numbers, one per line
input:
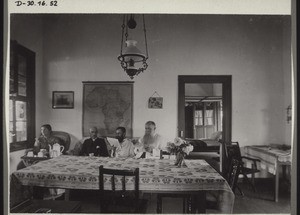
(285, 181)
(159, 204)
(252, 175)
(200, 202)
(276, 184)
(67, 195)
(284, 172)
(189, 205)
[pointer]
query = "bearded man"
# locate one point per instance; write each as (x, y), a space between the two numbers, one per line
(151, 140)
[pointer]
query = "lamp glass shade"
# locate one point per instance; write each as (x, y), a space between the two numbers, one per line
(131, 52)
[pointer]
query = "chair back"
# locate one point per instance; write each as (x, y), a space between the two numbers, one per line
(123, 175)
(232, 150)
(234, 171)
(65, 139)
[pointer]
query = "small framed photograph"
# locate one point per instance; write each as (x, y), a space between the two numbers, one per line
(63, 100)
(155, 103)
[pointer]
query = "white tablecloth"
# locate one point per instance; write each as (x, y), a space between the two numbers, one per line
(269, 156)
(74, 172)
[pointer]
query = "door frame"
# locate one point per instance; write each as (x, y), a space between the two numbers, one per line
(225, 80)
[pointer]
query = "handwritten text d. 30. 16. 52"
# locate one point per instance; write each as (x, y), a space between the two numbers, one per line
(36, 3)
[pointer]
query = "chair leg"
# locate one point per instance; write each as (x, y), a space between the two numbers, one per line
(241, 192)
(248, 180)
(189, 205)
(252, 179)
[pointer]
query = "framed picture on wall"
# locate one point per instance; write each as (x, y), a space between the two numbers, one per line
(63, 99)
(155, 103)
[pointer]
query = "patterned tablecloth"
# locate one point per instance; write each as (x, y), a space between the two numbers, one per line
(156, 175)
(269, 156)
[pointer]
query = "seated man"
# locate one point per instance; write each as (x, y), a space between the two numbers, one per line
(94, 146)
(45, 140)
(151, 139)
(125, 148)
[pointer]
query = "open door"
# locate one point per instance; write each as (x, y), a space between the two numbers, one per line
(205, 112)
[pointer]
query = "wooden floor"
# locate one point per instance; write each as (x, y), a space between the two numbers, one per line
(261, 201)
(253, 202)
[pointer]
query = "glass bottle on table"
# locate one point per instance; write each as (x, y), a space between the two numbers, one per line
(36, 146)
(113, 151)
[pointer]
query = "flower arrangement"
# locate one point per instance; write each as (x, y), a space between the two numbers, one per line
(180, 148)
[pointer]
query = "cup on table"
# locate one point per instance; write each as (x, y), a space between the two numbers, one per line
(44, 151)
(30, 154)
(148, 155)
(40, 154)
(91, 154)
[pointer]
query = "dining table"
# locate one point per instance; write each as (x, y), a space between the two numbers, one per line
(155, 176)
(272, 157)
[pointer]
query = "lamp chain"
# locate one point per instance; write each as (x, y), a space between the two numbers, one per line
(126, 33)
(145, 37)
(123, 26)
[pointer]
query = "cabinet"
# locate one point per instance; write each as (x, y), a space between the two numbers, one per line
(21, 97)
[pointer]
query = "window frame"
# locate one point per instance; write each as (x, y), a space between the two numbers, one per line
(18, 50)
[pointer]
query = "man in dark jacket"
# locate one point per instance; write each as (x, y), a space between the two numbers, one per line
(94, 146)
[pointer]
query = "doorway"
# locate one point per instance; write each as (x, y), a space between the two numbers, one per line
(199, 115)
(203, 110)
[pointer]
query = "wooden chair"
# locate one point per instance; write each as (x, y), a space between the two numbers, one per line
(234, 171)
(232, 151)
(120, 201)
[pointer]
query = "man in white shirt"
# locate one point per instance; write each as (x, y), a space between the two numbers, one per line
(125, 148)
(151, 140)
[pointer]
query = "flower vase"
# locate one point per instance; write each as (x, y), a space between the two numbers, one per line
(179, 159)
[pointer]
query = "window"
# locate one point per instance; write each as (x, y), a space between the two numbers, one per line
(204, 114)
(198, 117)
(209, 113)
(22, 97)
(209, 117)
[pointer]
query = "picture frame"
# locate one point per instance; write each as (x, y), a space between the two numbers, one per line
(63, 99)
(155, 103)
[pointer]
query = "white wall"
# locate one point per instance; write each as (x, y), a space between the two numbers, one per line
(287, 74)
(252, 49)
